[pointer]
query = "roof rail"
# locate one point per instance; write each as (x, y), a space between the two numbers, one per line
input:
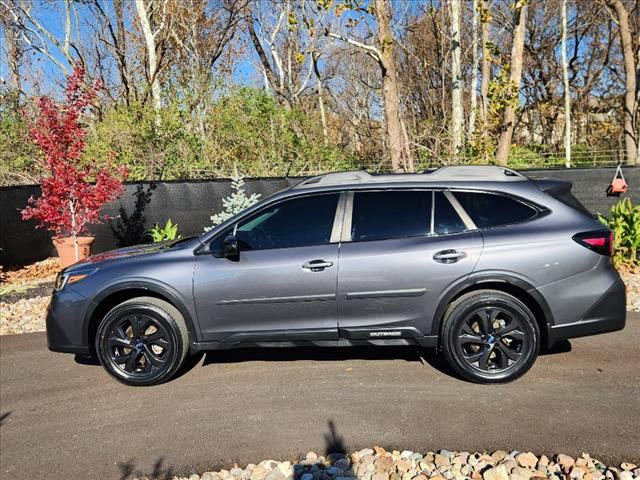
(484, 172)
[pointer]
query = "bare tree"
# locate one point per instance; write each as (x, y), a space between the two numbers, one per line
(153, 18)
(13, 46)
(486, 69)
(383, 54)
(60, 51)
(473, 103)
(631, 71)
(457, 110)
(567, 92)
(509, 114)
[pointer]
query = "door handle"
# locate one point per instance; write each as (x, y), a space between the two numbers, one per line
(448, 256)
(317, 265)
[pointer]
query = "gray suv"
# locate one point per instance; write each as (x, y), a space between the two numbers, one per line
(482, 263)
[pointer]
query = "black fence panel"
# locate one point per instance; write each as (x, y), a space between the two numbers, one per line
(190, 204)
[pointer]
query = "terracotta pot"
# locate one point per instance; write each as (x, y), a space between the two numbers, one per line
(66, 249)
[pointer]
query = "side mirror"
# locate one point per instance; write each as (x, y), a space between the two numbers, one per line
(230, 249)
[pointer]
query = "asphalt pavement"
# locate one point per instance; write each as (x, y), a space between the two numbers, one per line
(63, 419)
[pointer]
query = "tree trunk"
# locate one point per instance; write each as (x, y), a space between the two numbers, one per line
(486, 74)
(456, 79)
(509, 114)
(474, 73)
(152, 58)
(13, 52)
(390, 89)
(323, 115)
(567, 93)
(631, 87)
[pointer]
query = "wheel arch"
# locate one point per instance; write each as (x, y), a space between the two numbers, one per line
(518, 287)
(122, 291)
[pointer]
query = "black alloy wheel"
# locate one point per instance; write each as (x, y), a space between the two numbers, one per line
(142, 341)
(490, 336)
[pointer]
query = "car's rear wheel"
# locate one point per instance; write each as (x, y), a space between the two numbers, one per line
(142, 341)
(490, 336)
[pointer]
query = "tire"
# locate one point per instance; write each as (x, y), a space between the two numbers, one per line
(142, 341)
(489, 336)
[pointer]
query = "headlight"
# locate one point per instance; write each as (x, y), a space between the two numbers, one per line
(67, 278)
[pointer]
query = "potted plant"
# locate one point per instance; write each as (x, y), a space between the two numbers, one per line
(72, 195)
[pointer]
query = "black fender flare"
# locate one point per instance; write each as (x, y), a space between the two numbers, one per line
(152, 286)
(475, 281)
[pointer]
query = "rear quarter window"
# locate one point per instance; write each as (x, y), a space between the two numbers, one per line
(494, 210)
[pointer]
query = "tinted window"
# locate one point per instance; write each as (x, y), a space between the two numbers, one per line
(292, 223)
(381, 215)
(488, 210)
(445, 219)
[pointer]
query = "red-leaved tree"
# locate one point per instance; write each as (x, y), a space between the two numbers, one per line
(72, 195)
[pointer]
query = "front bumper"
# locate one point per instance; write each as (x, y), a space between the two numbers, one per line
(607, 315)
(65, 326)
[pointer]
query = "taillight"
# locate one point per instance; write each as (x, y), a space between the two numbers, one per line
(600, 241)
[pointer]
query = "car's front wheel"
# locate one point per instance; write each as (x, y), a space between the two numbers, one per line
(490, 336)
(142, 341)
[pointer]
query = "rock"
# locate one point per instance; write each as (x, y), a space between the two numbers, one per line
(498, 455)
(379, 451)
(311, 457)
(209, 476)
(516, 477)
(522, 472)
(194, 477)
(415, 456)
(509, 464)
(447, 453)
(307, 476)
(496, 473)
(441, 460)
(543, 461)
(334, 471)
(576, 473)
(236, 472)
(527, 460)
(384, 464)
(275, 474)
(628, 466)
(260, 472)
(420, 477)
(403, 465)
(394, 476)
(364, 452)
(565, 461)
(625, 475)
(380, 476)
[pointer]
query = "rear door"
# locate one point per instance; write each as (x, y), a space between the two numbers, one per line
(400, 250)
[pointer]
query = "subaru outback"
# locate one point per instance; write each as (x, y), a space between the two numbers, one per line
(482, 263)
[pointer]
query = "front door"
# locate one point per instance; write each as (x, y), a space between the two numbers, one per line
(282, 286)
(404, 248)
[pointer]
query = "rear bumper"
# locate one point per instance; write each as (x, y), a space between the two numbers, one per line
(607, 315)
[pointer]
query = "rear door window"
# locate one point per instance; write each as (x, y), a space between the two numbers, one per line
(390, 214)
(493, 210)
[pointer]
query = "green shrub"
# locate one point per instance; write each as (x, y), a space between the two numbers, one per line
(163, 234)
(625, 223)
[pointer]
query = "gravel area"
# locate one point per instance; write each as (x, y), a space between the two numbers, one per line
(379, 464)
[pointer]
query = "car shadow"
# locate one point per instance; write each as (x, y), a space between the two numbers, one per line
(293, 354)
